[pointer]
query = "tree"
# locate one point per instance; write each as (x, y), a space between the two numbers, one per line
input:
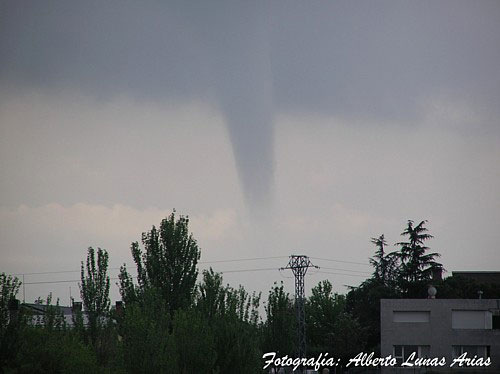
(349, 337)
(322, 310)
(281, 324)
(53, 351)
(195, 343)
(416, 264)
(385, 264)
(168, 263)
(94, 291)
(363, 304)
(459, 287)
(211, 296)
(9, 287)
(10, 338)
(233, 316)
(52, 318)
(48, 346)
(147, 345)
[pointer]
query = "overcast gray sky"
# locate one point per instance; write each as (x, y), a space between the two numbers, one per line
(279, 127)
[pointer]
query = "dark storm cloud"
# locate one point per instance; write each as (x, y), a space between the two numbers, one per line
(377, 60)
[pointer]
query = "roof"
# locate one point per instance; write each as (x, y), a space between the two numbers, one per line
(40, 309)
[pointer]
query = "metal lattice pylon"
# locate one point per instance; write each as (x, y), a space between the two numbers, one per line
(299, 265)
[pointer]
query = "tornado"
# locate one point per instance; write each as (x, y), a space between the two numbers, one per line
(243, 73)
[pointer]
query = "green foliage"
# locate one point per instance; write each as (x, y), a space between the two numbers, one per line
(416, 264)
(457, 287)
(349, 337)
(195, 343)
(234, 319)
(322, 311)
(94, 288)
(45, 344)
(280, 328)
(52, 318)
(168, 264)
(94, 291)
(146, 345)
(54, 351)
(9, 329)
(9, 287)
(363, 304)
(385, 264)
(10, 325)
(211, 295)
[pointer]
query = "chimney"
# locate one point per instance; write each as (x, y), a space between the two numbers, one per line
(76, 307)
(437, 273)
(13, 310)
(119, 307)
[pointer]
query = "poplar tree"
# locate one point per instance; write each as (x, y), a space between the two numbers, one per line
(167, 264)
(94, 291)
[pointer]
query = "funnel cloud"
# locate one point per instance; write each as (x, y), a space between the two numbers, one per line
(279, 126)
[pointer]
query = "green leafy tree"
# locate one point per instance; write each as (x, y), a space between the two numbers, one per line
(459, 287)
(349, 337)
(363, 304)
(9, 287)
(385, 264)
(147, 346)
(234, 318)
(47, 345)
(280, 326)
(54, 351)
(211, 295)
(94, 291)
(417, 264)
(52, 318)
(9, 329)
(168, 263)
(322, 310)
(195, 342)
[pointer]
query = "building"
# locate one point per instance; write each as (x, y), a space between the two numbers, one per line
(437, 328)
(38, 311)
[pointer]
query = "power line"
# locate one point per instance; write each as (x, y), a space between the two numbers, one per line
(57, 281)
(222, 272)
(350, 275)
(242, 259)
(343, 261)
(118, 268)
(58, 272)
(65, 281)
(245, 270)
(349, 270)
(284, 276)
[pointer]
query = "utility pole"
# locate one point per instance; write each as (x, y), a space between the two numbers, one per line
(299, 265)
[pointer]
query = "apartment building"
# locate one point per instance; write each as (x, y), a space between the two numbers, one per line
(441, 328)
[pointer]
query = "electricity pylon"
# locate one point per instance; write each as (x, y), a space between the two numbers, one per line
(299, 265)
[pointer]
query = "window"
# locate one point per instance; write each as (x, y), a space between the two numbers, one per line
(471, 350)
(403, 352)
(411, 316)
(471, 319)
